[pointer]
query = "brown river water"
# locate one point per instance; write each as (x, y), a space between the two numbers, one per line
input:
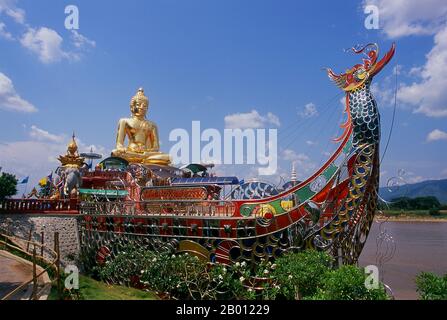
(419, 246)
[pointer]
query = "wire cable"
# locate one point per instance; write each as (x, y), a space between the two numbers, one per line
(394, 115)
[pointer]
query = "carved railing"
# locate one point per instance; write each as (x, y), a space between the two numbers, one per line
(171, 208)
(39, 206)
(112, 175)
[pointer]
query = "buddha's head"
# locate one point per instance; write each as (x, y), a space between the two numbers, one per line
(139, 104)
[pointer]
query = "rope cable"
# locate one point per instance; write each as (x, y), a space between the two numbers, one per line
(394, 115)
(295, 134)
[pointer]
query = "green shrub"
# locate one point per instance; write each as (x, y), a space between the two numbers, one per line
(348, 283)
(434, 212)
(8, 185)
(305, 275)
(431, 287)
(183, 276)
(301, 274)
(127, 264)
(231, 281)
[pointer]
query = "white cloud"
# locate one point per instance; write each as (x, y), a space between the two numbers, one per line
(250, 120)
(42, 135)
(429, 95)
(273, 119)
(399, 18)
(413, 178)
(37, 157)
(303, 163)
(416, 179)
(5, 34)
(46, 43)
(385, 91)
(24, 158)
(309, 111)
(80, 41)
(291, 155)
(436, 135)
(9, 8)
(10, 99)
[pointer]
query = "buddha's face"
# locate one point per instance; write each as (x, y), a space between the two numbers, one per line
(141, 110)
(140, 104)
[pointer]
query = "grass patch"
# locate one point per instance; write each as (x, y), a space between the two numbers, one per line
(90, 289)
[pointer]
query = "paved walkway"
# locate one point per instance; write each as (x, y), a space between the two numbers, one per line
(13, 272)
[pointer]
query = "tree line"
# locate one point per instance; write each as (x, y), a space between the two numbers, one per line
(418, 203)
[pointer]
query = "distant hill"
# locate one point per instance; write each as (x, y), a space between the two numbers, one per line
(437, 188)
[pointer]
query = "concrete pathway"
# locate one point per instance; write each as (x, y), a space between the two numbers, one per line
(13, 272)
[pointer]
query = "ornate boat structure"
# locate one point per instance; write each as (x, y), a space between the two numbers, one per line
(136, 196)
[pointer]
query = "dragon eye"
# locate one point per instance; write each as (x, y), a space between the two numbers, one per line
(360, 74)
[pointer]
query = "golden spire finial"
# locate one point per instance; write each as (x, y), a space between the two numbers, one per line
(72, 157)
(72, 146)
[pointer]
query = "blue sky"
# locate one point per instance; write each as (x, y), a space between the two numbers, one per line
(208, 60)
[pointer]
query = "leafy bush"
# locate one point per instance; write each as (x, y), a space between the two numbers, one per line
(8, 185)
(431, 287)
(434, 212)
(307, 275)
(126, 265)
(301, 274)
(180, 276)
(347, 283)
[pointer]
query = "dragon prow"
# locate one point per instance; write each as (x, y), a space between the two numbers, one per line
(358, 76)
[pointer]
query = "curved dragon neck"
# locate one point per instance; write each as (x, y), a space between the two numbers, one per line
(365, 117)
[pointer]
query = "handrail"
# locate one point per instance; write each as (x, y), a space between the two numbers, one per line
(38, 205)
(50, 263)
(104, 174)
(141, 208)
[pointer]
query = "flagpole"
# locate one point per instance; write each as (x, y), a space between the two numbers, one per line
(51, 183)
(26, 185)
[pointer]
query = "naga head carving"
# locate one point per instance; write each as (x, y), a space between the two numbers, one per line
(360, 73)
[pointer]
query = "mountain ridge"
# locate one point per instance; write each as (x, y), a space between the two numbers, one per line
(437, 188)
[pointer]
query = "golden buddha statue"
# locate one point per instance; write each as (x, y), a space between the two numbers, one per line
(144, 145)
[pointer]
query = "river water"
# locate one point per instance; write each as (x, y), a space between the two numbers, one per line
(419, 246)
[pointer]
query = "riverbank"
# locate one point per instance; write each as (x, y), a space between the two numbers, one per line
(412, 216)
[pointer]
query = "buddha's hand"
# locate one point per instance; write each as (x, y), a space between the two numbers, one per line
(120, 148)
